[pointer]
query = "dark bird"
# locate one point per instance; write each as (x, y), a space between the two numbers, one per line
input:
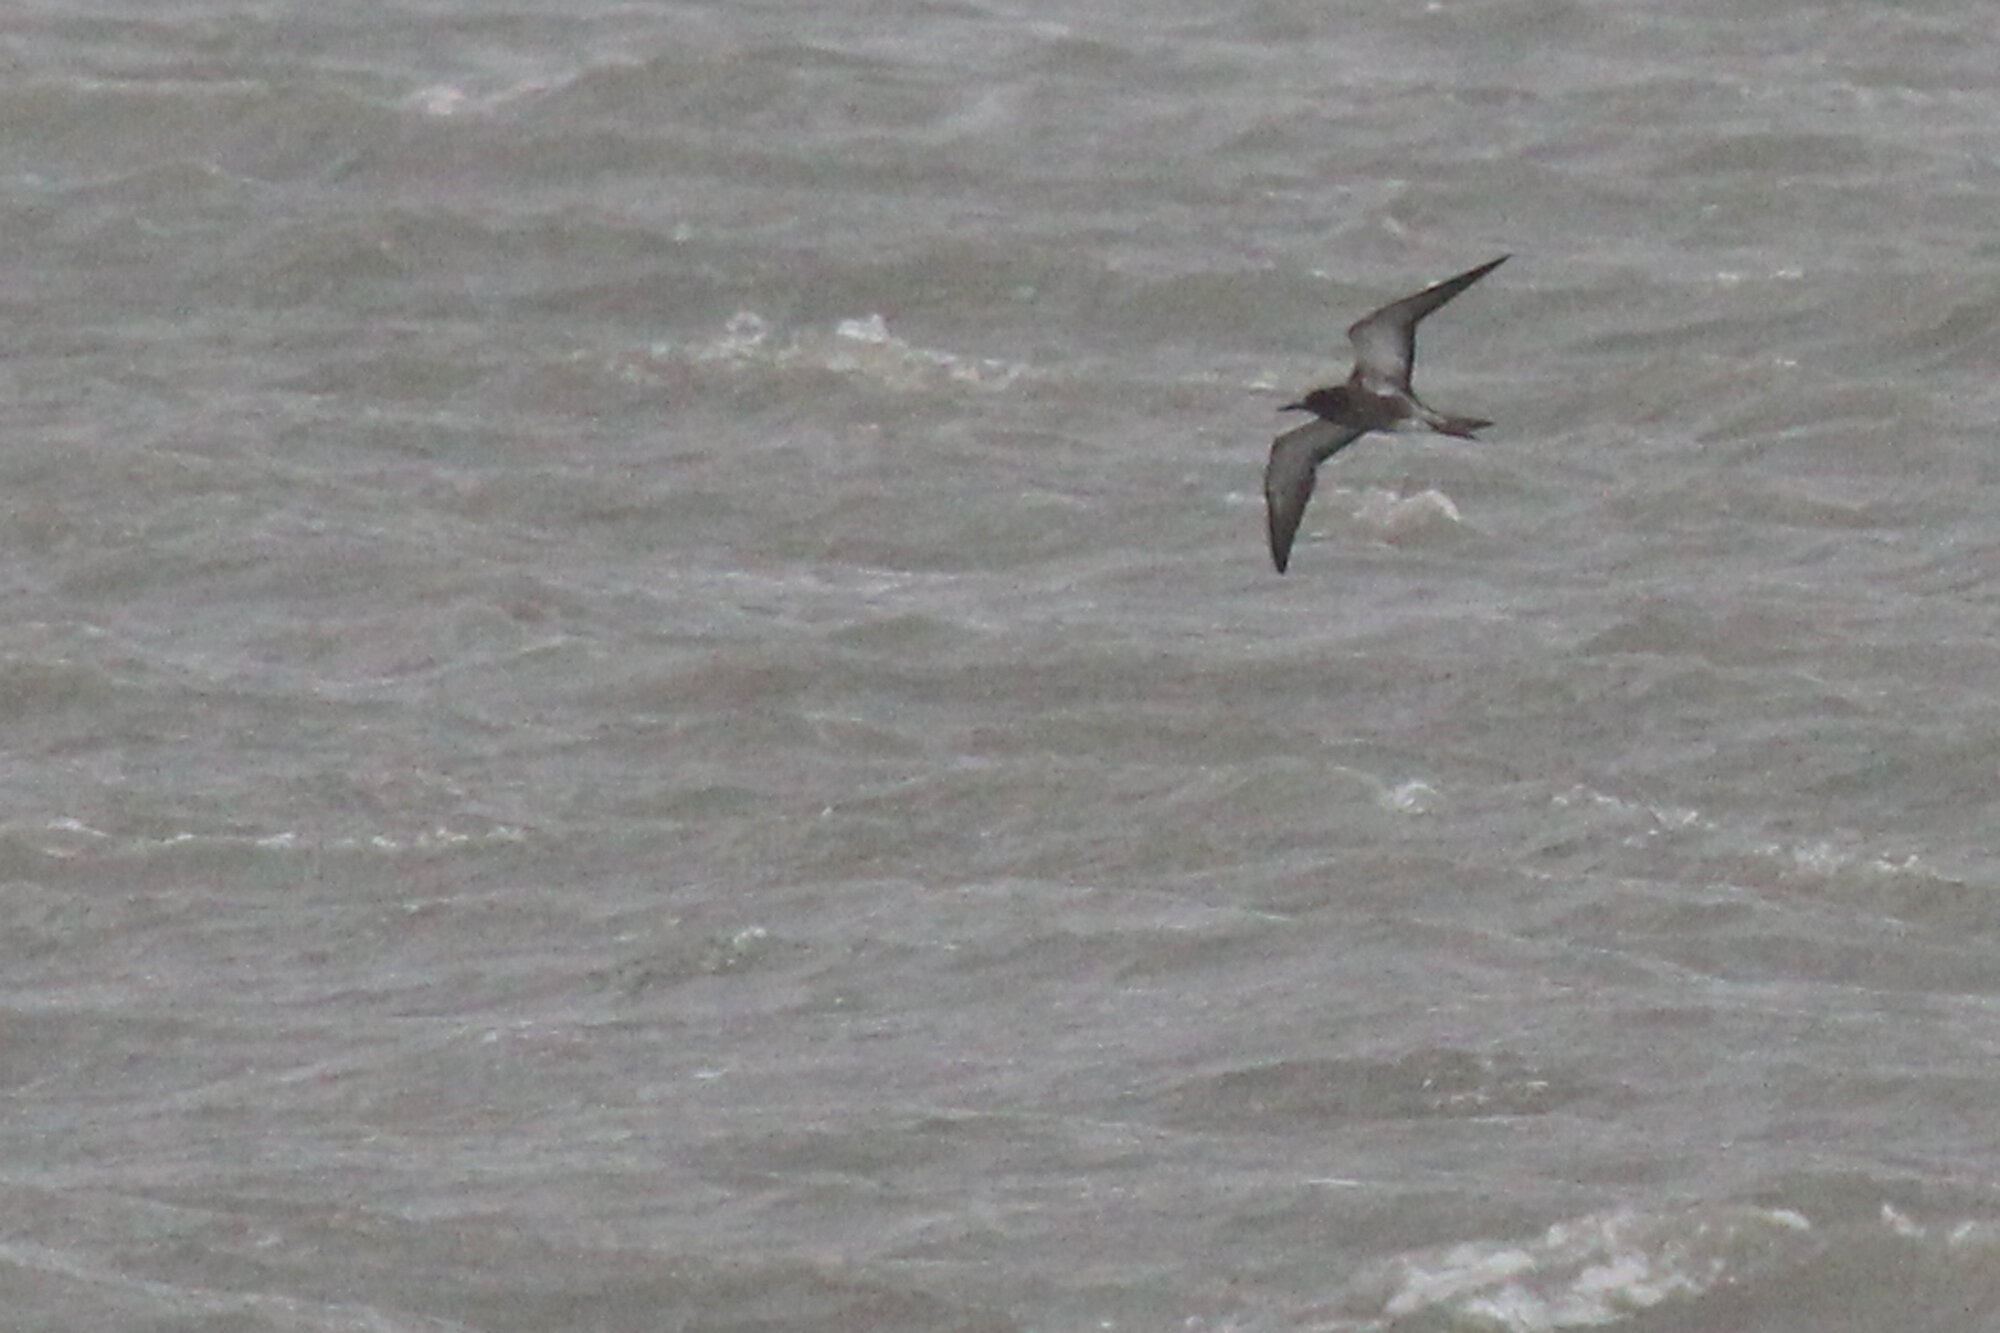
(1377, 396)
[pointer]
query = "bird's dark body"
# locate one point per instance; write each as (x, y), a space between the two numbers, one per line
(1347, 405)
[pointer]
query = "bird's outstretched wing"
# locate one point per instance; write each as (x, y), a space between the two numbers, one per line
(1288, 477)
(1385, 343)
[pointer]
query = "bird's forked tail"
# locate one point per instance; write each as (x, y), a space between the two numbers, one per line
(1462, 427)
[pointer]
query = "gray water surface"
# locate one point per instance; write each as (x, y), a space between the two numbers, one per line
(643, 690)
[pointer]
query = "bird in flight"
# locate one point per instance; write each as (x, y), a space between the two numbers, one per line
(1377, 396)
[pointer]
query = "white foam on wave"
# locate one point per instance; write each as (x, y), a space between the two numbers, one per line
(452, 99)
(1415, 797)
(70, 837)
(1838, 853)
(861, 347)
(1653, 820)
(1593, 1270)
(866, 347)
(1399, 516)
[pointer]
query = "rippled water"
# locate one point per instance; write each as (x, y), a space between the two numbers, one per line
(643, 689)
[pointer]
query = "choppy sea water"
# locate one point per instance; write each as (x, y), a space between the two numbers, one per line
(643, 691)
